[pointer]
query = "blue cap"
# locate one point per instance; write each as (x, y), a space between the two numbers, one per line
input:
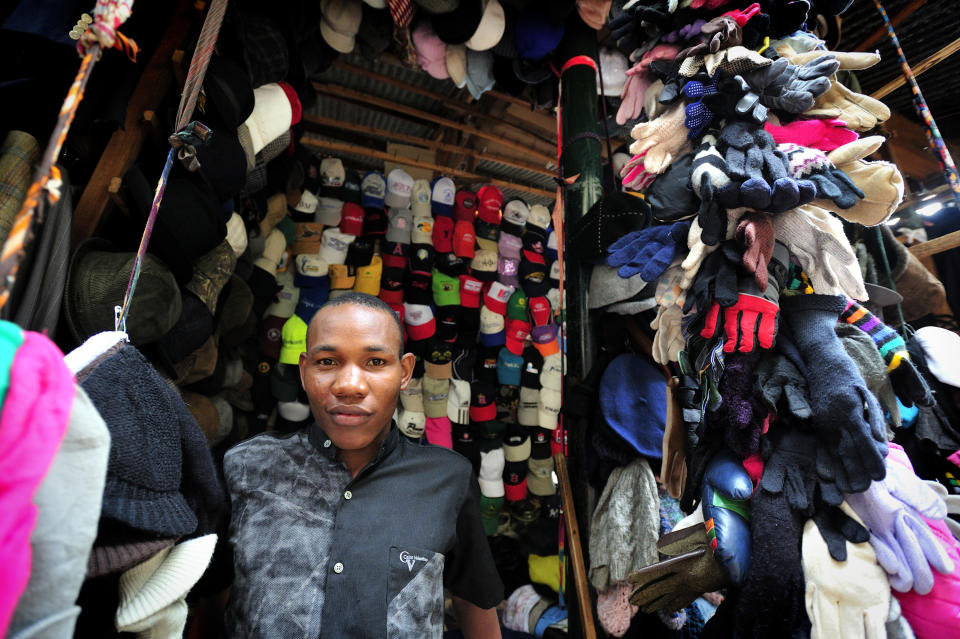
(633, 399)
(536, 36)
(509, 368)
(494, 339)
(314, 292)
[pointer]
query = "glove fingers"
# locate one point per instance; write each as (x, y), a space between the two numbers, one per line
(711, 324)
(826, 618)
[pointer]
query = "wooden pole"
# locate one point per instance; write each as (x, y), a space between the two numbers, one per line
(575, 547)
(340, 147)
(936, 245)
(388, 105)
(924, 65)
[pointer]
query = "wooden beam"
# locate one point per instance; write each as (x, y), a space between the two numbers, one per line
(881, 32)
(124, 145)
(319, 121)
(936, 245)
(924, 65)
(339, 147)
(387, 105)
(448, 102)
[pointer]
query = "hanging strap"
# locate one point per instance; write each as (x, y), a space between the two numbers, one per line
(93, 35)
(187, 136)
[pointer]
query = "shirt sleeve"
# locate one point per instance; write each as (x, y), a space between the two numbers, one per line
(469, 571)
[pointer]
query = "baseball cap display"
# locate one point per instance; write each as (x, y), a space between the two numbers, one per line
(399, 189)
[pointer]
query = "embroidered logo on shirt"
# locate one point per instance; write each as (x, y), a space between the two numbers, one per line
(410, 560)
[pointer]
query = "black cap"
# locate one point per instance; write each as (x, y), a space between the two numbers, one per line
(459, 25)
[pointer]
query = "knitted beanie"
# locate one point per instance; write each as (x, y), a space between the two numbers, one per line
(614, 609)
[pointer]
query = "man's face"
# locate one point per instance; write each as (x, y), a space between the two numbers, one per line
(352, 372)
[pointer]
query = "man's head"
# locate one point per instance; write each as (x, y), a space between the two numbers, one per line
(354, 368)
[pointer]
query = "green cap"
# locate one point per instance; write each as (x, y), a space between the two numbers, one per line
(517, 306)
(446, 289)
(490, 514)
(293, 338)
(289, 230)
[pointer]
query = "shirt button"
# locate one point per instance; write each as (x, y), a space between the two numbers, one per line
(326, 444)
(348, 495)
(338, 567)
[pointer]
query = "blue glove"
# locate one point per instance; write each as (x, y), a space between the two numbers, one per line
(726, 513)
(648, 251)
(698, 114)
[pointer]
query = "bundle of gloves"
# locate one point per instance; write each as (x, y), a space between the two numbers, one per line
(786, 391)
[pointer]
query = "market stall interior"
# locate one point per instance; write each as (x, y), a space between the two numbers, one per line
(680, 278)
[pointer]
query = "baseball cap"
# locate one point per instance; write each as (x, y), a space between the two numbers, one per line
(465, 205)
(293, 340)
(420, 322)
(509, 366)
(464, 239)
(287, 296)
(470, 291)
(491, 435)
(332, 175)
(351, 187)
(489, 201)
(340, 23)
(360, 252)
(509, 246)
(456, 61)
(394, 254)
(334, 245)
(551, 371)
(532, 366)
(491, 28)
(368, 277)
(491, 328)
(446, 289)
(553, 277)
(438, 359)
(528, 408)
(435, 396)
(421, 258)
(538, 217)
(548, 408)
(540, 477)
(483, 407)
(399, 189)
(351, 219)
(391, 286)
(545, 339)
(516, 333)
(373, 189)
(464, 359)
(465, 442)
(497, 296)
(458, 401)
(507, 271)
(515, 481)
(516, 444)
(540, 310)
(419, 287)
(439, 432)
(487, 235)
(442, 236)
(400, 227)
(420, 198)
(411, 397)
(517, 308)
(451, 265)
(422, 231)
(328, 211)
(308, 238)
(484, 265)
(306, 206)
(515, 214)
(375, 222)
(491, 474)
(533, 278)
(443, 196)
(411, 423)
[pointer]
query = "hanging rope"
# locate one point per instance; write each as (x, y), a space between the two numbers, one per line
(933, 133)
(187, 136)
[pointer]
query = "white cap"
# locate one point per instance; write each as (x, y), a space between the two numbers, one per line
(422, 232)
(334, 245)
(492, 464)
(328, 211)
(420, 198)
(287, 298)
(444, 192)
(311, 265)
(539, 216)
(942, 349)
(458, 401)
(491, 27)
(549, 408)
(551, 373)
(399, 189)
(528, 407)
(516, 212)
(411, 397)
(412, 423)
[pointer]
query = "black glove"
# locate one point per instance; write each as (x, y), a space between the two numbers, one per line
(837, 528)
(734, 100)
(786, 16)
(716, 280)
(669, 72)
(782, 386)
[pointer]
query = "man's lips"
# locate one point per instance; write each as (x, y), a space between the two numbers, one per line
(348, 415)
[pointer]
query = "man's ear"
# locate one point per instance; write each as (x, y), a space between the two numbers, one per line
(407, 362)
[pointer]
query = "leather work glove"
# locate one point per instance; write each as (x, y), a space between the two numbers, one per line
(880, 182)
(751, 321)
(689, 571)
(759, 172)
(708, 174)
(726, 513)
(848, 599)
(648, 251)
(847, 419)
(662, 139)
(735, 100)
(831, 182)
(791, 88)
(719, 33)
(673, 465)
(893, 509)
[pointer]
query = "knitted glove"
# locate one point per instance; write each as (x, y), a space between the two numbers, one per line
(860, 112)
(825, 135)
(698, 115)
(880, 182)
(782, 386)
(651, 100)
(632, 98)
(708, 174)
(662, 139)
(758, 171)
(669, 73)
(735, 61)
(719, 33)
(716, 280)
(634, 175)
(790, 88)
(908, 383)
(843, 598)
(689, 571)
(892, 508)
(851, 439)
(668, 338)
(817, 240)
(726, 513)
(752, 320)
(831, 182)
(648, 251)
(741, 413)
(756, 233)
(734, 100)
(685, 33)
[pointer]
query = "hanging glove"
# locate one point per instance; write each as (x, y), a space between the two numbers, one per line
(673, 464)
(790, 88)
(668, 72)
(860, 112)
(906, 547)
(741, 412)
(751, 321)
(668, 338)
(716, 280)
(848, 61)
(756, 233)
(734, 100)
(726, 513)
(648, 251)
(843, 598)
(735, 60)
(689, 571)
(639, 77)
(719, 33)
(698, 115)
(662, 139)
(847, 420)
(825, 135)
(782, 386)
(831, 182)
(634, 175)
(817, 240)
(758, 171)
(880, 182)
(707, 175)
(685, 33)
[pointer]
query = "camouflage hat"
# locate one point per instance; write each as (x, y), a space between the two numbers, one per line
(96, 282)
(211, 272)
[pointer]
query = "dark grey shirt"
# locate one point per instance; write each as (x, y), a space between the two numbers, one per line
(318, 554)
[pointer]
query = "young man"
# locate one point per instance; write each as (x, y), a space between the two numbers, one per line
(345, 528)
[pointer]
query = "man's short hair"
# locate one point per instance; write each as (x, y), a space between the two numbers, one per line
(369, 301)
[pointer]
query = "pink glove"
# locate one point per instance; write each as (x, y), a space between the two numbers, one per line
(936, 615)
(638, 79)
(742, 16)
(825, 135)
(709, 4)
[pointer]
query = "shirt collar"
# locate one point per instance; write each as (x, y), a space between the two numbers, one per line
(325, 446)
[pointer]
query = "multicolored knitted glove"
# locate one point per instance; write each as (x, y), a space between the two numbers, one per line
(815, 166)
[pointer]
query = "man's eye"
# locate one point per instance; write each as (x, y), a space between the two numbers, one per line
(376, 361)
(326, 361)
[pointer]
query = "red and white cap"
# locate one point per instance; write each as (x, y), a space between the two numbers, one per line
(471, 290)
(420, 321)
(351, 219)
(497, 297)
(489, 201)
(464, 239)
(539, 310)
(517, 333)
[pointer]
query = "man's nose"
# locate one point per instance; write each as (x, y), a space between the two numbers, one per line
(350, 381)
